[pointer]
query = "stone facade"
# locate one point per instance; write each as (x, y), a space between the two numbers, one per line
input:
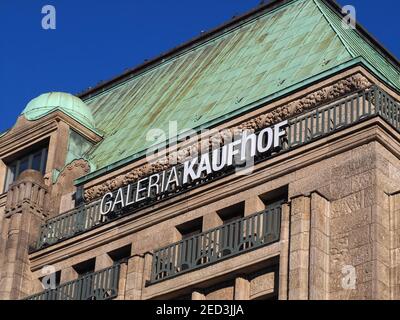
(338, 228)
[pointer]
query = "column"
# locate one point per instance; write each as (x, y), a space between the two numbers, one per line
(299, 248)
(134, 278)
(284, 255)
(319, 248)
(123, 273)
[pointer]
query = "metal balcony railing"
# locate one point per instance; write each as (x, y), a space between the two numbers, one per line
(217, 244)
(100, 285)
(314, 124)
(346, 112)
(73, 222)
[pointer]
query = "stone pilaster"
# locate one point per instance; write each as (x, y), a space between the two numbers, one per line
(123, 273)
(242, 289)
(134, 284)
(395, 246)
(319, 248)
(299, 248)
(24, 213)
(284, 255)
(137, 274)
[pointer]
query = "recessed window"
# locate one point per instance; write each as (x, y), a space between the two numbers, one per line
(232, 213)
(35, 160)
(275, 198)
(121, 254)
(191, 228)
(85, 268)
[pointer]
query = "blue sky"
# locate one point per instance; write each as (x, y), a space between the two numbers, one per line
(96, 40)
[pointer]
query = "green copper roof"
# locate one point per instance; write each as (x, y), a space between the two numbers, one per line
(65, 102)
(359, 47)
(259, 59)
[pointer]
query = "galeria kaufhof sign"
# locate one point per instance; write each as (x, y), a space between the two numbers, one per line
(240, 151)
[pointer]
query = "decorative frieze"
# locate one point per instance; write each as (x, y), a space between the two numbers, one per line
(325, 95)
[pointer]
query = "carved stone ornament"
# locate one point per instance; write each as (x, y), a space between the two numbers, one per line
(65, 181)
(325, 95)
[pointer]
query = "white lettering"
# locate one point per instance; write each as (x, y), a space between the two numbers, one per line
(119, 199)
(188, 170)
(173, 177)
(139, 190)
(107, 203)
(278, 133)
(253, 143)
(204, 165)
(244, 149)
(232, 151)
(269, 137)
(129, 194)
(219, 153)
(153, 184)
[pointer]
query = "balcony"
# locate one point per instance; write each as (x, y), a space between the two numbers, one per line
(302, 129)
(100, 285)
(215, 245)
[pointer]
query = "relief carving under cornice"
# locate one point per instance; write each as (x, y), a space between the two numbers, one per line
(65, 183)
(325, 95)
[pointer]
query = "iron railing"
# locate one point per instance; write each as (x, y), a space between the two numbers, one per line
(80, 219)
(217, 244)
(314, 124)
(331, 118)
(100, 285)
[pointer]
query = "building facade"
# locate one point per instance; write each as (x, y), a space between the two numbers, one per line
(280, 180)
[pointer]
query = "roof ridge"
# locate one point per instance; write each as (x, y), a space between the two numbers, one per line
(342, 40)
(359, 43)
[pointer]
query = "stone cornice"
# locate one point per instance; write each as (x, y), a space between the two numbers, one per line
(324, 95)
(25, 132)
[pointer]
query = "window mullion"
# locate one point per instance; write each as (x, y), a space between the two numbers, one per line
(30, 161)
(17, 169)
(43, 161)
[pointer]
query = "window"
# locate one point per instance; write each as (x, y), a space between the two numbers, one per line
(35, 160)
(85, 268)
(275, 198)
(232, 213)
(190, 228)
(232, 231)
(121, 254)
